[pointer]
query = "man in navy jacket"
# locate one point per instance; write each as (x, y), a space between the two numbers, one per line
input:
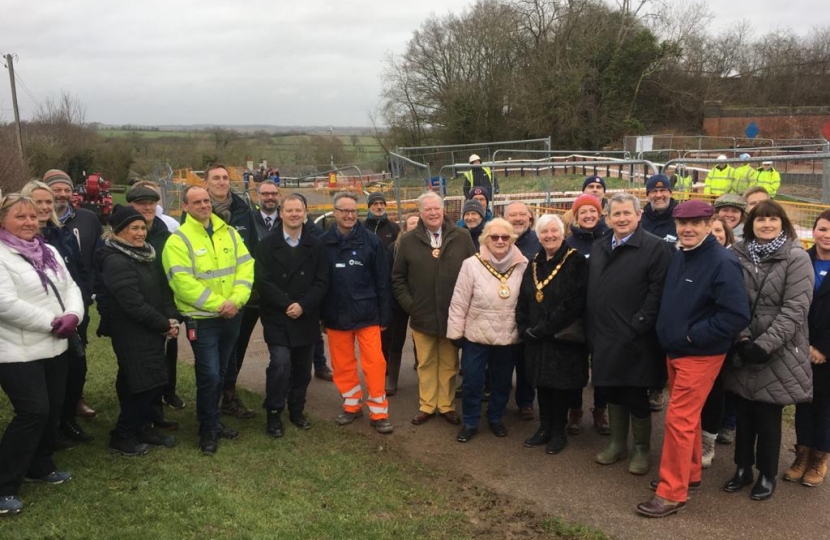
(357, 306)
(704, 307)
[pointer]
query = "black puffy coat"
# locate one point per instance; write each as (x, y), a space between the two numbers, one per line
(385, 229)
(66, 243)
(582, 239)
(285, 275)
(139, 308)
(552, 363)
(660, 224)
(624, 290)
(819, 320)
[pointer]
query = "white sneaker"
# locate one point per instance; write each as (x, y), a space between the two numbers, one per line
(708, 450)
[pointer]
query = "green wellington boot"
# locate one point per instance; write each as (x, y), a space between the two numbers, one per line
(618, 448)
(641, 433)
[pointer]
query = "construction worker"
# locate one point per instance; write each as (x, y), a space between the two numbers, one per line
(479, 176)
(211, 274)
(719, 179)
(744, 176)
(358, 305)
(681, 180)
(768, 178)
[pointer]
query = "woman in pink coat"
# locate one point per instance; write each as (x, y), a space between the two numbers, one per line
(482, 320)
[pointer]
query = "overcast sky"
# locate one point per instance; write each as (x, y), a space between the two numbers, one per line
(284, 62)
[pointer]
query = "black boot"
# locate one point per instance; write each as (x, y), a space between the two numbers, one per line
(274, 425)
(151, 436)
(542, 435)
(75, 432)
(763, 488)
(127, 446)
(741, 479)
(558, 440)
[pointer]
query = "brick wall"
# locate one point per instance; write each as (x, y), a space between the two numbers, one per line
(773, 122)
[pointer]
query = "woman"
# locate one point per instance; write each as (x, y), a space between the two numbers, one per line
(771, 368)
(588, 225)
(552, 298)
(141, 317)
(482, 317)
(721, 231)
(812, 420)
(62, 239)
(40, 308)
(400, 320)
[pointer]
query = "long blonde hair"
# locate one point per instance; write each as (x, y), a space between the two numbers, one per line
(34, 185)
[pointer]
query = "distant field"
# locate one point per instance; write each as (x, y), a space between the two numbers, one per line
(112, 133)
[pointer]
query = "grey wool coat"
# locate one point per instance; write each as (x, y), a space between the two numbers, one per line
(779, 326)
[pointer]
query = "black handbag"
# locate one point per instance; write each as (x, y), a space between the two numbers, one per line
(736, 354)
(76, 344)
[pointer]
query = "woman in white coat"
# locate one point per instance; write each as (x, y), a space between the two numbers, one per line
(34, 328)
(482, 320)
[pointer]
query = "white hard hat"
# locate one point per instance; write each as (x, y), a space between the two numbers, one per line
(766, 163)
(721, 157)
(474, 157)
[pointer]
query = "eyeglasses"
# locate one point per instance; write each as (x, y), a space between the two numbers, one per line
(269, 194)
(346, 211)
(502, 237)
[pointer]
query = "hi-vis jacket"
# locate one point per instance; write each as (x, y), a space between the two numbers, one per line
(205, 270)
(720, 181)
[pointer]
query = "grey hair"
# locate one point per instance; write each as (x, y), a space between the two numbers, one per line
(623, 198)
(545, 220)
(343, 195)
(267, 183)
(429, 195)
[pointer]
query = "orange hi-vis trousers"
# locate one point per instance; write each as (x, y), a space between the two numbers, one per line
(690, 381)
(344, 368)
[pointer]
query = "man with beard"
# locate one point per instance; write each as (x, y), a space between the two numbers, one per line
(378, 222)
(657, 214)
(268, 213)
(86, 228)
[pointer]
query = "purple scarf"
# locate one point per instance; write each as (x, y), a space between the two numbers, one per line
(36, 253)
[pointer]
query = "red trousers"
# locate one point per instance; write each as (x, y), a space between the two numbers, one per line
(344, 369)
(690, 381)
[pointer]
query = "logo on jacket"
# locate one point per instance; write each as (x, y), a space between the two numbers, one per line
(353, 262)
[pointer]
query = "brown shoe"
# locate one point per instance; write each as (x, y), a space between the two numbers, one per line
(232, 405)
(818, 469)
(527, 413)
(659, 507)
(324, 374)
(800, 465)
(451, 417)
(574, 425)
(84, 410)
(422, 417)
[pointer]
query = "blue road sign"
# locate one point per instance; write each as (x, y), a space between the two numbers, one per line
(752, 130)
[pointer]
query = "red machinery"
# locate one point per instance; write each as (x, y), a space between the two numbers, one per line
(94, 195)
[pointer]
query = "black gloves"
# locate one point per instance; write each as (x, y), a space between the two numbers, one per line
(751, 353)
(458, 343)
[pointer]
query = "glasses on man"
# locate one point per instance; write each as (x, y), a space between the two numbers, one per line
(269, 194)
(502, 237)
(346, 211)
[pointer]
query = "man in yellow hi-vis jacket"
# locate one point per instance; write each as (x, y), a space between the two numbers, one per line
(211, 274)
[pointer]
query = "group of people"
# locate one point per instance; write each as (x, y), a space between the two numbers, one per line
(724, 178)
(625, 297)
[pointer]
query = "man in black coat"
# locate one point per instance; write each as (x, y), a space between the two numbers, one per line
(235, 212)
(657, 214)
(378, 222)
(267, 215)
(625, 282)
(291, 276)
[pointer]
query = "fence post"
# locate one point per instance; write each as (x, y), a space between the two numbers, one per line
(825, 177)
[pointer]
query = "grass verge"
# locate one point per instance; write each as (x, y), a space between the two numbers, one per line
(321, 483)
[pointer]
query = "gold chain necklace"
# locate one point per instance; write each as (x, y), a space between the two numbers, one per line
(504, 290)
(539, 286)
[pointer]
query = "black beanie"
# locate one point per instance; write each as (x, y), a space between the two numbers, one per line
(122, 216)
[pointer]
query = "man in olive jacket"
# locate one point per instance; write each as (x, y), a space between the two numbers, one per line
(423, 279)
(625, 282)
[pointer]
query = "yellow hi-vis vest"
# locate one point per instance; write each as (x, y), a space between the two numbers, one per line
(719, 181)
(743, 178)
(204, 271)
(769, 180)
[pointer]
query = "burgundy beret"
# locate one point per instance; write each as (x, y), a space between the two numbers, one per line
(694, 209)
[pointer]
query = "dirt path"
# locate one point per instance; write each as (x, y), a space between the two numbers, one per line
(571, 485)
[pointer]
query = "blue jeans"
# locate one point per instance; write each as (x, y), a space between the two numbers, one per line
(501, 361)
(216, 339)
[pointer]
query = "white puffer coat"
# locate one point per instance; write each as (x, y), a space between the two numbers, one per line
(477, 313)
(27, 310)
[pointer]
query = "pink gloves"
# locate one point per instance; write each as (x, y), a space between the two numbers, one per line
(65, 325)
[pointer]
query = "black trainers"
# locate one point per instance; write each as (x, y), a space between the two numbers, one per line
(129, 447)
(10, 505)
(299, 420)
(274, 425)
(75, 432)
(173, 401)
(53, 478)
(227, 433)
(152, 437)
(209, 442)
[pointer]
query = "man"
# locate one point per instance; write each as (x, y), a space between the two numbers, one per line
(625, 281)
(211, 274)
(732, 208)
(479, 177)
(657, 215)
(518, 214)
(292, 277)
(745, 175)
(754, 196)
(593, 185)
(357, 306)
(703, 308)
(720, 178)
(86, 228)
(423, 278)
(267, 216)
(768, 178)
(144, 198)
(681, 180)
(378, 222)
(235, 212)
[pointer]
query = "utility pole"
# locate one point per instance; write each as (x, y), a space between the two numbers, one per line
(10, 64)
(331, 147)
